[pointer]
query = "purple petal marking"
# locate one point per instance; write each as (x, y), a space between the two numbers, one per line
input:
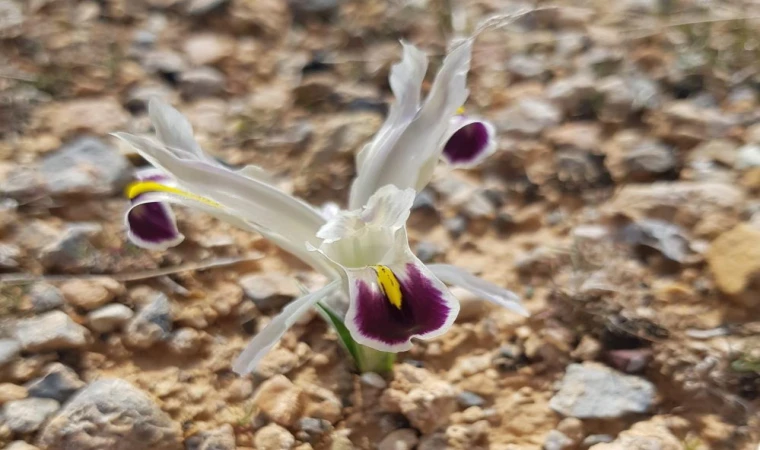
(152, 225)
(467, 143)
(423, 310)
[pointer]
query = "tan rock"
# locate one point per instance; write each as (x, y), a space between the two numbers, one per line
(734, 258)
(271, 17)
(467, 436)
(91, 293)
(113, 414)
(689, 204)
(281, 400)
(51, 331)
(20, 445)
(274, 437)
(402, 439)
(10, 392)
(322, 403)
(96, 115)
(278, 361)
(208, 48)
(650, 434)
(426, 400)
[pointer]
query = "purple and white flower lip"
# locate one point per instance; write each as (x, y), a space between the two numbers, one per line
(425, 310)
(151, 224)
(471, 141)
(389, 296)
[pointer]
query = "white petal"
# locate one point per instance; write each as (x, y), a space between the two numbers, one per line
(176, 133)
(406, 78)
(400, 153)
(297, 249)
(173, 130)
(257, 173)
(389, 207)
(487, 291)
(273, 332)
(356, 239)
(252, 200)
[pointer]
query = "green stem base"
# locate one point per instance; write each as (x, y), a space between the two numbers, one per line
(371, 360)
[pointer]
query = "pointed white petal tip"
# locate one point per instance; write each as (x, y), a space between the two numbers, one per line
(267, 338)
(487, 291)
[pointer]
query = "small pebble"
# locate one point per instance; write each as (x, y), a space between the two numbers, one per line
(109, 317)
(374, 380)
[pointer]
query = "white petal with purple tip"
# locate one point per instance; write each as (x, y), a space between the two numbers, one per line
(469, 142)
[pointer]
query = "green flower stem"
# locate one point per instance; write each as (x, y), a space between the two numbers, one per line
(366, 359)
(371, 360)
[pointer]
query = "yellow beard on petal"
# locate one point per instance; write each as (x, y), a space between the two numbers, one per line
(141, 187)
(389, 285)
(460, 111)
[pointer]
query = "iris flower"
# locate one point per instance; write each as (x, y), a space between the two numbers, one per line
(388, 296)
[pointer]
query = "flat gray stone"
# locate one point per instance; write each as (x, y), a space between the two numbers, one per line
(28, 415)
(109, 318)
(222, 438)
(152, 324)
(59, 383)
(594, 391)
(50, 331)
(111, 414)
(45, 297)
(86, 166)
(9, 350)
(269, 291)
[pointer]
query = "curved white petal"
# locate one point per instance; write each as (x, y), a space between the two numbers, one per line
(250, 199)
(487, 291)
(297, 249)
(406, 78)
(360, 238)
(397, 155)
(273, 332)
(174, 130)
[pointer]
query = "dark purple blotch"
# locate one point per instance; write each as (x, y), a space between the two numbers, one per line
(423, 310)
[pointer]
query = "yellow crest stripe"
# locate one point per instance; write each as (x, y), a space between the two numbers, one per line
(141, 187)
(460, 111)
(389, 284)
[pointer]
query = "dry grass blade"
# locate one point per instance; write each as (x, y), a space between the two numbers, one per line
(12, 279)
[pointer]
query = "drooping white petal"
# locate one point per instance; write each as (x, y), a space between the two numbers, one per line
(297, 249)
(399, 155)
(252, 200)
(273, 332)
(470, 140)
(487, 291)
(152, 225)
(397, 300)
